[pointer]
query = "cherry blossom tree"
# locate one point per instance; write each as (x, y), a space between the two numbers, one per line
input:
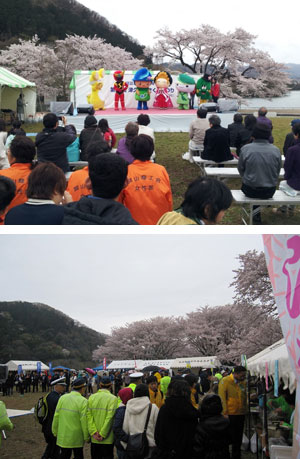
(156, 338)
(252, 284)
(51, 68)
(243, 70)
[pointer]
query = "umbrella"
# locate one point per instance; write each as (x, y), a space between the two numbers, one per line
(151, 368)
(89, 370)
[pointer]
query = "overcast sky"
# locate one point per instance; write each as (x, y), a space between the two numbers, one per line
(108, 280)
(275, 24)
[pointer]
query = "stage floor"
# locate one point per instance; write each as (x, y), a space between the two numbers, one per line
(170, 120)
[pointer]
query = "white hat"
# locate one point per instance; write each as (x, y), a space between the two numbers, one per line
(137, 375)
(61, 381)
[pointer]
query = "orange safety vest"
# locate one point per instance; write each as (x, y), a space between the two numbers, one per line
(148, 192)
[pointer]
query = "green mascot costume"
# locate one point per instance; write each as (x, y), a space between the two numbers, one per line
(185, 84)
(203, 89)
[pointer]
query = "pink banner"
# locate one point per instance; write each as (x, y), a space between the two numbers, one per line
(283, 260)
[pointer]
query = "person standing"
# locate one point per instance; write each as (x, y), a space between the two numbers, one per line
(233, 393)
(155, 395)
(21, 108)
(101, 412)
(164, 383)
(215, 89)
(70, 421)
(52, 451)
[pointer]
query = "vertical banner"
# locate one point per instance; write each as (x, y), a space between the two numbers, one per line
(19, 369)
(50, 368)
(39, 367)
(104, 363)
(267, 376)
(283, 260)
(276, 379)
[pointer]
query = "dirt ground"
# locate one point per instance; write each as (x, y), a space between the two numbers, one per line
(26, 441)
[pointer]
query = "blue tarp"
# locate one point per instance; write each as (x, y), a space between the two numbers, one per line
(98, 368)
(60, 367)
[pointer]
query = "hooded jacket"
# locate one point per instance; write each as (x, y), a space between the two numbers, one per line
(52, 146)
(97, 211)
(136, 415)
(212, 438)
(176, 426)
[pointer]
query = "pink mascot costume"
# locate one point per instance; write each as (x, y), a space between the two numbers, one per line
(162, 82)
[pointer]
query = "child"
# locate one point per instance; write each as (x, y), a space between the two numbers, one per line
(108, 133)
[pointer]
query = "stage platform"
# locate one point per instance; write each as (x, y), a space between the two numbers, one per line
(171, 120)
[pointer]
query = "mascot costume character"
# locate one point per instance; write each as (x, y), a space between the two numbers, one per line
(142, 80)
(162, 99)
(97, 84)
(185, 84)
(120, 87)
(203, 89)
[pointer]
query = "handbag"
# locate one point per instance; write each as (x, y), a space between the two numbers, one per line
(137, 445)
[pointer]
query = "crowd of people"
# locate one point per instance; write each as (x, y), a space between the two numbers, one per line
(127, 186)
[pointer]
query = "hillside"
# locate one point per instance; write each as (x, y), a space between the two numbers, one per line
(53, 19)
(34, 331)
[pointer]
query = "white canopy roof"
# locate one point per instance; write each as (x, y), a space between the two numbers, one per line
(27, 365)
(196, 362)
(138, 364)
(278, 351)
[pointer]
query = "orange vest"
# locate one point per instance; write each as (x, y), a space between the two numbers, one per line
(18, 172)
(148, 192)
(76, 184)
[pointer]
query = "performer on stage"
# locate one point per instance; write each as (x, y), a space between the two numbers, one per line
(162, 99)
(120, 87)
(142, 79)
(96, 84)
(185, 84)
(203, 89)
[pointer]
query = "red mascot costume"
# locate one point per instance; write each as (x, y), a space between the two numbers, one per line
(120, 87)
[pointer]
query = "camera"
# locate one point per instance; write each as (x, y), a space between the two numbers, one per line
(60, 118)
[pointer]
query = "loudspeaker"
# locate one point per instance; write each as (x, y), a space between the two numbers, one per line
(86, 108)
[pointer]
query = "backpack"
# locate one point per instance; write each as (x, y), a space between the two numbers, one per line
(41, 409)
(137, 445)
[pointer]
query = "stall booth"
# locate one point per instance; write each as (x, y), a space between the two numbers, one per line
(273, 362)
(138, 364)
(11, 86)
(195, 363)
(25, 365)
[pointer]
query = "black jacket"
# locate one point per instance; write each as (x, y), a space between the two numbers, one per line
(234, 129)
(175, 427)
(212, 438)
(52, 401)
(289, 142)
(97, 211)
(243, 137)
(52, 146)
(86, 138)
(216, 144)
(119, 434)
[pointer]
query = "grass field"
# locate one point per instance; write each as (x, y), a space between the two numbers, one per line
(169, 148)
(26, 441)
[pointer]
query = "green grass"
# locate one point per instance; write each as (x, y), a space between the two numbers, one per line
(169, 148)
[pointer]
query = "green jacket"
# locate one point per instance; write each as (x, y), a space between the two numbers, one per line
(132, 386)
(101, 412)
(164, 383)
(5, 422)
(70, 421)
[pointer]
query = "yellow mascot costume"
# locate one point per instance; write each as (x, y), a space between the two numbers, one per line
(97, 84)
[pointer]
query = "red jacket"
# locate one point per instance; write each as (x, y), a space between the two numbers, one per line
(215, 90)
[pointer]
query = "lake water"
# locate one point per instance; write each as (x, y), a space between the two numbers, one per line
(291, 100)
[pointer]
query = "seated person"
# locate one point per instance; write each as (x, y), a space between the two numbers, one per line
(107, 176)
(7, 193)
(205, 202)
(53, 141)
(283, 406)
(197, 131)
(216, 142)
(20, 156)
(148, 192)
(77, 184)
(244, 135)
(73, 151)
(235, 127)
(46, 189)
(107, 132)
(90, 134)
(143, 122)
(259, 166)
(290, 138)
(291, 184)
(123, 150)
(262, 119)
(16, 128)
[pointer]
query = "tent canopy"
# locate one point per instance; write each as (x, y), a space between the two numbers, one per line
(12, 80)
(11, 85)
(184, 362)
(27, 365)
(277, 351)
(196, 362)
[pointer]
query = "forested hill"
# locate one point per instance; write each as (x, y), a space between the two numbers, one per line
(34, 331)
(53, 19)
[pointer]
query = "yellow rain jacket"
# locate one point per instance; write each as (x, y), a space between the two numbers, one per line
(233, 395)
(156, 397)
(101, 412)
(70, 421)
(5, 422)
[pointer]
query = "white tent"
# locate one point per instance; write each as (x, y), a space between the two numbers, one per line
(278, 351)
(196, 362)
(11, 86)
(27, 365)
